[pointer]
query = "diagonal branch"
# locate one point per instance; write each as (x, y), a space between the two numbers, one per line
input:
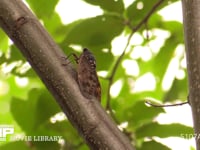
(86, 115)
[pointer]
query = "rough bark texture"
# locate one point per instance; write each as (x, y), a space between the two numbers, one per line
(191, 21)
(87, 116)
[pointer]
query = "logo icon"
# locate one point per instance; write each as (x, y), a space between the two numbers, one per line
(5, 130)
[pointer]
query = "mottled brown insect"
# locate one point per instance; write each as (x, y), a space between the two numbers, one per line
(87, 76)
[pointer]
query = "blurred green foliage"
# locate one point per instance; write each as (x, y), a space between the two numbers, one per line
(30, 107)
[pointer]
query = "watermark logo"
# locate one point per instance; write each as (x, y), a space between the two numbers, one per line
(7, 134)
(190, 136)
(6, 130)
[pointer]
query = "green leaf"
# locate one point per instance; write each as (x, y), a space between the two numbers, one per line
(46, 107)
(138, 10)
(43, 8)
(3, 42)
(40, 105)
(153, 145)
(15, 54)
(97, 32)
(55, 27)
(163, 130)
(98, 54)
(20, 109)
(111, 5)
(177, 91)
(3, 59)
(66, 130)
(162, 59)
(50, 145)
(15, 145)
(137, 114)
(5, 115)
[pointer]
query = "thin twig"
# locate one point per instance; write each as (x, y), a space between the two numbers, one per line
(137, 27)
(165, 105)
(113, 73)
(145, 19)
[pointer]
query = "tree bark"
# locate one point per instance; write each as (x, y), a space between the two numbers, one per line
(86, 115)
(191, 21)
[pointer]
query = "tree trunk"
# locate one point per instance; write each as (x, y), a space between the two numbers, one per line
(191, 21)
